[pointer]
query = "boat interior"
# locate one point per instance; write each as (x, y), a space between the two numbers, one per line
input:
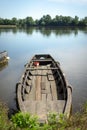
(43, 88)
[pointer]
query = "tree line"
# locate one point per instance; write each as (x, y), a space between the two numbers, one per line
(45, 20)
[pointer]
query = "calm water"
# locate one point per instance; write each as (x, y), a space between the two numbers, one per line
(66, 45)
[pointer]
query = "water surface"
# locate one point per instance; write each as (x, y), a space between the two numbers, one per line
(66, 45)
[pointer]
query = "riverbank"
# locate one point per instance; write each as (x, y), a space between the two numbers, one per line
(21, 121)
(8, 26)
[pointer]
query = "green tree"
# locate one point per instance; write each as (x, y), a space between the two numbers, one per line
(75, 21)
(21, 22)
(85, 21)
(7, 22)
(36, 22)
(66, 21)
(62, 20)
(48, 19)
(1, 21)
(45, 20)
(29, 21)
(59, 20)
(14, 21)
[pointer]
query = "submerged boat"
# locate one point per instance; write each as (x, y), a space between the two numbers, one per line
(3, 58)
(43, 88)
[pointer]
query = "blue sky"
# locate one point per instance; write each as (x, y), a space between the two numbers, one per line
(38, 8)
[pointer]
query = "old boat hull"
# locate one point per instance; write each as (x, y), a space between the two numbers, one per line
(43, 88)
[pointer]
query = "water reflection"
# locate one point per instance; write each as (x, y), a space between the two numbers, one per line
(46, 31)
(7, 30)
(3, 66)
(58, 31)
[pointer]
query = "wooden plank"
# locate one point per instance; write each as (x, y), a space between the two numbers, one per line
(41, 110)
(39, 68)
(69, 101)
(31, 95)
(19, 97)
(53, 90)
(43, 85)
(38, 88)
(56, 106)
(44, 97)
(30, 106)
(49, 94)
(50, 74)
(42, 60)
(52, 86)
(46, 86)
(43, 91)
(49, 97)
(50, 77)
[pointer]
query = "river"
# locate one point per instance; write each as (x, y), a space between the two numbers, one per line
(66, 45)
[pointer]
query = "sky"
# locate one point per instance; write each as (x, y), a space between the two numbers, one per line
(37, 8)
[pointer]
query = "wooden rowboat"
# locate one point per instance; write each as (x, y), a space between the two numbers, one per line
(43, 88)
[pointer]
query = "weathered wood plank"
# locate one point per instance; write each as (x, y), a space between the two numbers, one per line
(44, 97)
(38, 88)
(49, 97)
(53, 90)
(39, 68)
(48, 89)
(43, 86)
(69, 101)
(41, 110)
(31, 95)
(52, 86)
(19, 96)
(30, 106)
(42, 60)
(56, 106)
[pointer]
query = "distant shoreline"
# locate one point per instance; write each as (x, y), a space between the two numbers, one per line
(8, 26)
(44, 21)
(14, 26)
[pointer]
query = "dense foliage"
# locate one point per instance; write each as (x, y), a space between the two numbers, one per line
(46, 20)
(25, 121)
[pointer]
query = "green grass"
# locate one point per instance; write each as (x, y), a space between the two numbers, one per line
(4, 121)
(25, 121)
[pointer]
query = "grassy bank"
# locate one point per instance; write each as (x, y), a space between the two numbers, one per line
(21, 121)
